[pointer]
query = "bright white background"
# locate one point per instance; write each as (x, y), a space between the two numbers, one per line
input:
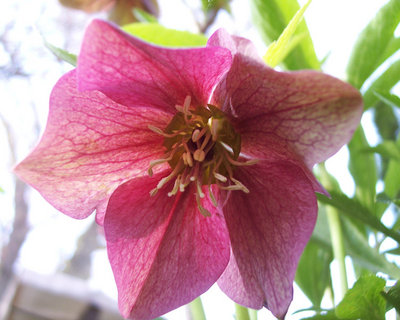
(334, 26)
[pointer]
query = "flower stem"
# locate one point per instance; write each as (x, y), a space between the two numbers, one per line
(338, 249)
(253, 314)
(335, 229)
(196, 309)
(241, 312)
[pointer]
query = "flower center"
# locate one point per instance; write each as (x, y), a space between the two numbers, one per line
(202, 148)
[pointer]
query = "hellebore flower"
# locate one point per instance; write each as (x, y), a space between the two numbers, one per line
(197, 162)
(121, 11)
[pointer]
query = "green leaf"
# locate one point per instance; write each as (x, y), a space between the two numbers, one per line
(387, 149)
(159, 35)
(313, 272)
(210, 5)
(279, 49)
(330, 315)
(395, 251)
(392, 47)
(364, 301)
(385, 82)
(392, 178)
(393, 296)
(144, 16)
(390, 99)
(354, 209)
(383, 197)
(271, 17)
(386, 121)
(359, 164)
(372, 43)
(362, 254)
(62, 54)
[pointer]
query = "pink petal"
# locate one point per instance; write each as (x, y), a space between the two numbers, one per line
(268, 228)
(306, 112)
(90, 146)
(136, 73)
(236, 45)
(163, 252)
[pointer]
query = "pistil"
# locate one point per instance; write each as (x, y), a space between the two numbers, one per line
(201, 148)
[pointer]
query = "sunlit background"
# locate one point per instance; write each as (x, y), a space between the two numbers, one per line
(47, 241)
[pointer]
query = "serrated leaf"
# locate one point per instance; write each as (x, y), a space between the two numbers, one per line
(384, 83)
(372, 43)
(354, 209)
(312, 274)
(62, 54)
(271, 17)
(159, 35)
(364, 301)
(392, 296)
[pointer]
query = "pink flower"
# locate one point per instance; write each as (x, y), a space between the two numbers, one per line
(197, 161)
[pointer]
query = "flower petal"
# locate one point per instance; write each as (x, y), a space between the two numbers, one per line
(269, 228)
(236, 45)
(306, 112)
(163, 252)
(136, 73)
(91, 145)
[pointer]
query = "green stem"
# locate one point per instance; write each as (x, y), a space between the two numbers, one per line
(335, 229)
(197, 310)
(241, 312)
(253, 314)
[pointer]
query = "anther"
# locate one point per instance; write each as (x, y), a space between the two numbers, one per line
(215, 124)
(199, 155)
(220, 177)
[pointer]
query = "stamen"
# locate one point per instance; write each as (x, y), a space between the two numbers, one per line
(202, 210)
(197, 134)
(199, 155)
(220, 177)
(186, 103)
(196, 153)
(237, 163)
(199, 190)
(215, 124)
(206, 139)
(240, 185)
(212, 197)
(195, 172)
(189, 159)
(154, 163)
(162, 133)
(176, 187)
(164, 180)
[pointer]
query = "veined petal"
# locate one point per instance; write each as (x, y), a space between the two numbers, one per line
(136, 73)
(235, 44)
(307, 112)
(91, 145)
(163, 252)
(269, 228)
